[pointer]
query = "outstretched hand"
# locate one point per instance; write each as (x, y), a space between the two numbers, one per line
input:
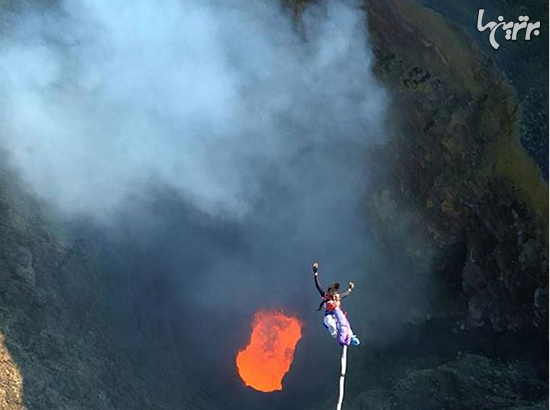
(315, 267)
(351, 285)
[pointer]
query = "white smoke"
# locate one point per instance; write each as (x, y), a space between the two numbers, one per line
(101, 99)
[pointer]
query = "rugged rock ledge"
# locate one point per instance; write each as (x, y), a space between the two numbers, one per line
(469, 382)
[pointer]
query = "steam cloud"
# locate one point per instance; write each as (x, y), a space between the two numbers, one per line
(101, 99)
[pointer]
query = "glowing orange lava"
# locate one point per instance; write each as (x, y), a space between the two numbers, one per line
(267, 358)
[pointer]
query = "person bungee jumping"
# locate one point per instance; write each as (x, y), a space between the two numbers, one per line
(335, 320)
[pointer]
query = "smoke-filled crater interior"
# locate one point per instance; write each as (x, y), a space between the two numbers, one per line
(176, 168)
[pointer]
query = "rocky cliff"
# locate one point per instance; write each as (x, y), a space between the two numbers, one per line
(60, 344)
(462, 185)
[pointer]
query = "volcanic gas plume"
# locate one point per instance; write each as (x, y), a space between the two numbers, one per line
(270, 352)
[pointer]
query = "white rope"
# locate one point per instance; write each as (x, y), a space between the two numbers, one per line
(342, 377)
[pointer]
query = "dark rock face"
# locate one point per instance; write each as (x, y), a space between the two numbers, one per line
(466, 197)
(469, 382)
(521, 61)
(58, 337)
(456, 166)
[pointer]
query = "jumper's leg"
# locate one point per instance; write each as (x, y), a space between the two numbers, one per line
(329, 321)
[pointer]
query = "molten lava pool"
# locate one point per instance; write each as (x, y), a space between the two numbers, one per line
(270, 352)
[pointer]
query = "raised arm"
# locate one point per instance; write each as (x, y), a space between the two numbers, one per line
(345, 294)
(316, 277)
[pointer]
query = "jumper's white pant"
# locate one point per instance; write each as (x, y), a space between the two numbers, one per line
(330, 323)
